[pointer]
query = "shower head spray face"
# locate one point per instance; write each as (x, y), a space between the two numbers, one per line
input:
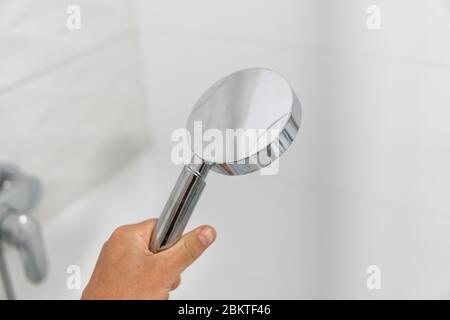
(254, 113)
(248, 118)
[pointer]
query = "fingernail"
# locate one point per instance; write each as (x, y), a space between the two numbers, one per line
(206, 236)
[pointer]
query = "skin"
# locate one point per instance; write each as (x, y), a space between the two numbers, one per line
(127, 269)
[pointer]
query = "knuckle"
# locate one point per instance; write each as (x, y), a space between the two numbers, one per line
(189, 250)
(105, 246)
(120, 231)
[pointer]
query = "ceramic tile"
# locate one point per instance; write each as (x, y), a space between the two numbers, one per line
(415, 30)
(35, 40)
(74, 127)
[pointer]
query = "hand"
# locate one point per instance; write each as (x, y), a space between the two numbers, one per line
(127, 269)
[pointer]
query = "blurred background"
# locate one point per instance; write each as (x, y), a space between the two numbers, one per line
(89, 112)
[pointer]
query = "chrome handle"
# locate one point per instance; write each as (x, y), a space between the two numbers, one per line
(24, 232)
(179, 206)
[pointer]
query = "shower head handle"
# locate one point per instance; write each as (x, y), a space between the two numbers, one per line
(179, 206)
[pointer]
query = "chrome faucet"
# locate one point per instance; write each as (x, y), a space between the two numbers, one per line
(19, 194)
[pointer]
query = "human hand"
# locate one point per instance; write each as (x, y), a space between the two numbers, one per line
(127, 269)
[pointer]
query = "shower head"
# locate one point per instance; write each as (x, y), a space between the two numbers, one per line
(248, 119)
(253, 112)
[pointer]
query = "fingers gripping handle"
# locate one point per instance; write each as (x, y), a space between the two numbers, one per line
(179, 207)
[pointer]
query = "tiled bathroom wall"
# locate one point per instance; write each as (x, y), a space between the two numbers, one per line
(71, 102)
(366, 182)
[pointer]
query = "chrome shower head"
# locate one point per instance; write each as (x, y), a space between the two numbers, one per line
(249, 119)
(257, 114)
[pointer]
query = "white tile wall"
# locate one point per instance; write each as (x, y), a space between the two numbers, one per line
(373, 149)
(366, 181)
(71, 103)
(410, 29)
(34, 38)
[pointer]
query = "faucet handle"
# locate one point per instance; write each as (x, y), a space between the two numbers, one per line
(24, 233)
(19, 194)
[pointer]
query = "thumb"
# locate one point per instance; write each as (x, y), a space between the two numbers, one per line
(190, 247)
